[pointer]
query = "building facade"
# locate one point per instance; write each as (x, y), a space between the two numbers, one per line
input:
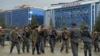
(22, 17)
(74, 12)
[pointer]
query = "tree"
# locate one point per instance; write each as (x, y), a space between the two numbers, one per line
(50, 24)
(82, 25)
(34, 23)
(97, 24)
(2, 23)
(64, 24)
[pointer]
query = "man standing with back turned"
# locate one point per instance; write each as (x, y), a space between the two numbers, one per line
(75, 35)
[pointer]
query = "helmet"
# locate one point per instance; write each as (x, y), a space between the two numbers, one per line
(86, 27)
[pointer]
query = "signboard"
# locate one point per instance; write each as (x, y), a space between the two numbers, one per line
(71, 4)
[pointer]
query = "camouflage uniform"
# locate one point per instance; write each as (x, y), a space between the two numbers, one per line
(75, 35)
(2, 37)
(35, 42)
(26, 38)
(65, 38)
(96, 42)
(15, 41)
(87, 40)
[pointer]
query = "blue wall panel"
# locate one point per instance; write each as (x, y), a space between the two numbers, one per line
(39, 14)
(20, 17)
(75, 14)
(8, 19)
(2, 18)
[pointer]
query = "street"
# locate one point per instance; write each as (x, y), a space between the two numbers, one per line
(5, 52)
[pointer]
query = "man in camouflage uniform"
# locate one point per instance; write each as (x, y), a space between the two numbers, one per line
(75, 35)
(2, 37)
(96, 41)
(87, 40)
(35, 40)
(15, 36)
(41, 37)
(52, 39)
(65, 38)
(26, 37)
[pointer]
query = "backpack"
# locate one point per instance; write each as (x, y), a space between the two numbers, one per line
(86, 36)
(75, 35)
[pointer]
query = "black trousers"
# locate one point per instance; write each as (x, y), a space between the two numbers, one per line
(17, 46)
(87, 48)
(74, 47)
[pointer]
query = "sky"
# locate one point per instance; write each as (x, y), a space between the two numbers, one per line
(11, 4)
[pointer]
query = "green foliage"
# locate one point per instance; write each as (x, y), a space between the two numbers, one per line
(34, 23)
(2, 22)
(51, 24)
(82, 25)
(64, 24)
(97, 24)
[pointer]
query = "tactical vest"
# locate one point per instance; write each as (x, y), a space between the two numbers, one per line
(14, 34)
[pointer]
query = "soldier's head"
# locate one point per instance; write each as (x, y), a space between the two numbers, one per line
(73, 24)
(65, 29)
(95, 31)
(26, 28)
(0, 27)
(16, 28)
(41, 27)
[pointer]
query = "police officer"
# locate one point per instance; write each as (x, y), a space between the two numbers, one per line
(75, 35)
(45, 36)
(2, 36)
(96, 41)
(41, 36)
(52, 39)
(65, 38)
(26, 38)
(87, 40)
(35, 40)
(15, 40)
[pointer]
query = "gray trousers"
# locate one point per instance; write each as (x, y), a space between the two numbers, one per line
(96, 45)
(16, 43)
(66, 44)
(87, 48)
(42, 46)
(74, 47)
(26, 44)
(2, 41)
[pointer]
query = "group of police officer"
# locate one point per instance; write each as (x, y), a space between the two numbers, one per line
(39, 35)
(36, 36)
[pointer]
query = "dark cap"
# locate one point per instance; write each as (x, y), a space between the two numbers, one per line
(65, 28)
(73, 24)
(86, 27)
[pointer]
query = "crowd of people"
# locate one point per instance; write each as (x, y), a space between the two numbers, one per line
(38, 36)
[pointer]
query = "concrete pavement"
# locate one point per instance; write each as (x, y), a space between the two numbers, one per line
(5, 52)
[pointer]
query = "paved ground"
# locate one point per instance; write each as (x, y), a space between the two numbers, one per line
(5, 52)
